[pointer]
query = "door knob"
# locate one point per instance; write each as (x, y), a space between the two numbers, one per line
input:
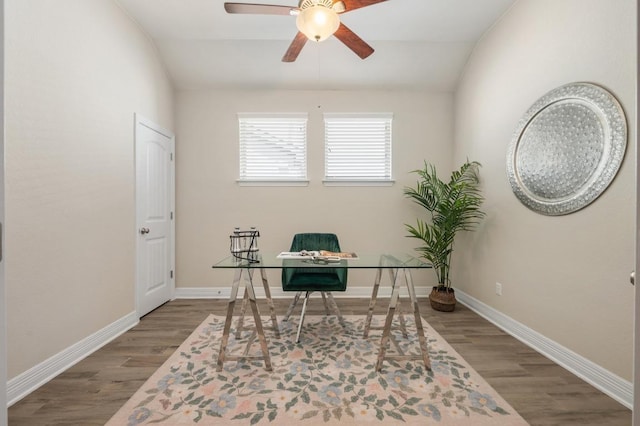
(144, 231)
(632, 278)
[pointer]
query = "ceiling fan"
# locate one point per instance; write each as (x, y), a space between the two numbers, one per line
(316, 20)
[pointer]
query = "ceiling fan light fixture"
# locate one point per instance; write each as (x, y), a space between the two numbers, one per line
(317, 20)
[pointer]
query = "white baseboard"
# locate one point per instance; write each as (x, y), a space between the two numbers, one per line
(25, 383)
(616, 387)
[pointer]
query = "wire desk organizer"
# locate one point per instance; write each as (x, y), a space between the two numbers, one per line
(244, 244)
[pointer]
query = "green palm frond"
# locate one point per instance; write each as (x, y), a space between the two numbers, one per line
(452, 206)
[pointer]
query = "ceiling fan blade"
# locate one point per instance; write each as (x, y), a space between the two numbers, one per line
(260, 9)
(294, 49)
(357, 4)
(353, 42)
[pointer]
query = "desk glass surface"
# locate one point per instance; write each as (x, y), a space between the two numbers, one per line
(364, 261)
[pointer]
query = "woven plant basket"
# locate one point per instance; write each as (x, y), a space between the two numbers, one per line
(442, 299)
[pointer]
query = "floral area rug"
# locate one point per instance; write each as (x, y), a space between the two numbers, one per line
(328, 378)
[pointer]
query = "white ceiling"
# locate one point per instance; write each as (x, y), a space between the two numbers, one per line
(419, 44)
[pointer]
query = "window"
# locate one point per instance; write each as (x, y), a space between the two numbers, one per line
(273, 149)
(358, 148)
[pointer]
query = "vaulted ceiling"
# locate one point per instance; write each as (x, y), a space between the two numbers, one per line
(419, 44)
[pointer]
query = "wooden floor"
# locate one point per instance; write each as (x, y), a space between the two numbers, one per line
(94, 389)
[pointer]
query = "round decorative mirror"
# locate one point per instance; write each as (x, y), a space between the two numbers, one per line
(567, 149)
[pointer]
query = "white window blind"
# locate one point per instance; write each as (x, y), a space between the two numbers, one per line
(273, 147)
(358, 147)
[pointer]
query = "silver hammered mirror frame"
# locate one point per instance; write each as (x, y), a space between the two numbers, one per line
(567, 149)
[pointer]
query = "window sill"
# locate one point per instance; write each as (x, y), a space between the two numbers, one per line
(358, 182)
(298, 182)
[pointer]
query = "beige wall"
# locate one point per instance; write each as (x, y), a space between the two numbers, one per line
(210, 203)
(565, 277)
(76, 72)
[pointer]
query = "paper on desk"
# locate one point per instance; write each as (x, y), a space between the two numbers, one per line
(297, 254)
(311, 254)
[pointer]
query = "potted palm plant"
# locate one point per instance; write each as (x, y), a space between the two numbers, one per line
(452, 206)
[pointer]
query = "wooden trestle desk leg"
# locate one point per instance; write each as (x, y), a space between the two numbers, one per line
(228, 319)
(250, 294)
(272, 309)
(395, 292)
(243, 310)
(372, 303)
(386, 331)
(259, 329)
(245, 301)
(422, 340)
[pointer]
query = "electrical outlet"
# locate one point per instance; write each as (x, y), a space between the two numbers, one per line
(499, 289)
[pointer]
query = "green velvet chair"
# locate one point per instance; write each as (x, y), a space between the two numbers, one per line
(321, 279)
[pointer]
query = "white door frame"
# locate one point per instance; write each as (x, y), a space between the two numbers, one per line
(141, 120)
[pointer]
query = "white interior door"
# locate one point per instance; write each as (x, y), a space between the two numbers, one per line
(154, 215)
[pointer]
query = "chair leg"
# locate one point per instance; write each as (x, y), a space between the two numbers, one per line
(304, 309)
(291, 306)
(336, 309)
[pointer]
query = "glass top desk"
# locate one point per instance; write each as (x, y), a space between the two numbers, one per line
(398, 266)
